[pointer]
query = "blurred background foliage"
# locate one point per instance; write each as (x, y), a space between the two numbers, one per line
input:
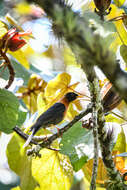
(45, 69)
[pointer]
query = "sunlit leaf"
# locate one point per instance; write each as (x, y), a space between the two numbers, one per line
(35, 86)
(77, 143)
(71, 113)
(52, 171)
(69, 57)
(8, 111)
(120, 147)
(101, 173)
(123, 52)
(120, 144)
(112, 118)
(119, 3)
(120, 36)
(3, 29)
(58, 87)
(20, 163)
(23, 8)
(49, 53)
(20, 57)
(59, 83)
(41, 103)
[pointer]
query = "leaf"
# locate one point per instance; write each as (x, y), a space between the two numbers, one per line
(3, 29)
(52, 171)
(49, 53)
(120, 147)
(21, 116)
(119, 3)
(41, 103)
(20, 163)
(121, 33)
(121, 142)
(69, 58)
(101, 173)
(60, 83)
(23, 8)
(20, 57)
(20, 72)
(123, 52)
(58, 87)
(113, 119)
(77, 143)
(8, 111)
(35, 86)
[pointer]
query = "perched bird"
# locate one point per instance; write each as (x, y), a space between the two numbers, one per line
(53, 115)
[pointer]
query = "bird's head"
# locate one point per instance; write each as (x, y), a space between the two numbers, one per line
(70, 96)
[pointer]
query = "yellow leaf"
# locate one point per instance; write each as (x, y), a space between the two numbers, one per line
(58, 83)
(101, 174)
(20, 163)
(21, 58)
(69, 58)
(3, 29)
(30, 93)
(119, 3)
(121, 34)
(16, 188)
(52, 171)
(41, 103)
(23, 8)
(49, 53)
(71, 113)
(87, 185)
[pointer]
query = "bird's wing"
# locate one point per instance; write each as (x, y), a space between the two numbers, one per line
(53, 115)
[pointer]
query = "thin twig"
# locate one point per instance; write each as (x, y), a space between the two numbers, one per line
(10, 68)
(34, 140)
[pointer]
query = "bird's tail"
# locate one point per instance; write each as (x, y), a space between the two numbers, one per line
(29, 138)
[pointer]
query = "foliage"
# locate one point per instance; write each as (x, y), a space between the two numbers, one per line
(45, 78)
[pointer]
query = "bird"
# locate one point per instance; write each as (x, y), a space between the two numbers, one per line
(52, 116)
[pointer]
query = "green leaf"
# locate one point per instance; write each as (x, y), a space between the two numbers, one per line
(77, 143)
(123, 52)
(21, 116)
(8, 111)
(20, 72)
(121, 142)
(114, 119)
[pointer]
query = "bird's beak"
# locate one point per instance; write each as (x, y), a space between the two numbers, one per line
(80, 96)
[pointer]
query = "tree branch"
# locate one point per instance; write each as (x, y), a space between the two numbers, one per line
(10, 68)
(95, 91)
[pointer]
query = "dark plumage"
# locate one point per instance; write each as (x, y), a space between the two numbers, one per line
(53, 115)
